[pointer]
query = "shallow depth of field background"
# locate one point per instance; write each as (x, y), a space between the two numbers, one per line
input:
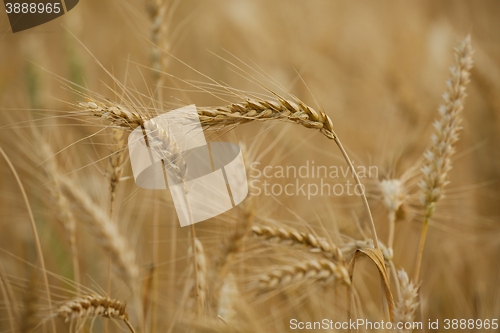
(378, 69)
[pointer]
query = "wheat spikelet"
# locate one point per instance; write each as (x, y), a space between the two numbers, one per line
(250, 110)
(393, 197)
(90, 306)
(116, 113)
(317, 270)
(294, 237)
(105, 231)
(199, 268)
(446, 129)
(407, 304)
(159, 139)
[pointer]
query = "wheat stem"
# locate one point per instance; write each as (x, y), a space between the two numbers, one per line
(363, 195)
(421, 246)
(33, 229)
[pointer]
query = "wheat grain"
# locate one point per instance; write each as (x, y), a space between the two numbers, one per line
(293, 237)
(90, 306)
(313, 270)
(234, 114)
(239, 113)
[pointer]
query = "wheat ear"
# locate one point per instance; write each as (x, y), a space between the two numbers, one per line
(446, 130)
(90, 306)
(105, 231)
(286, 235)
(239, 113)
(317, 270)
(200, 273)
(404, 312)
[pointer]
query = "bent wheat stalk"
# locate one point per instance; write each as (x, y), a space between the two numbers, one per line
(239, 113)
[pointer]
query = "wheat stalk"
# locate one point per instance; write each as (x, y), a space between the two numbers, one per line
(393, 197)
(116, 163)
(446, 130)
(316, 270)
(286, 235)
(91, 306)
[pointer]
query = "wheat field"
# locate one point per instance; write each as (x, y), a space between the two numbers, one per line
(369, 134)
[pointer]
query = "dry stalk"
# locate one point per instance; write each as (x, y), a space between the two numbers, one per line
(91, 306)
(286, 235)
(33, 229)
(116, 163)
(317, 270)
(446, 130)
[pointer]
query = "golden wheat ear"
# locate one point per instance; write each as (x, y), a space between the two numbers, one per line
(446, 131)
(92, 306)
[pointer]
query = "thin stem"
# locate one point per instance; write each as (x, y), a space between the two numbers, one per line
(195, 265)
(392, 227)
(423, 236)
(7, 303)
(129, 325)
(156, 260)
(35, 234)
(395, 277)
(363, 196)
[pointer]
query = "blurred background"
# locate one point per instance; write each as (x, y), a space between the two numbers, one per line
(377, 68)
